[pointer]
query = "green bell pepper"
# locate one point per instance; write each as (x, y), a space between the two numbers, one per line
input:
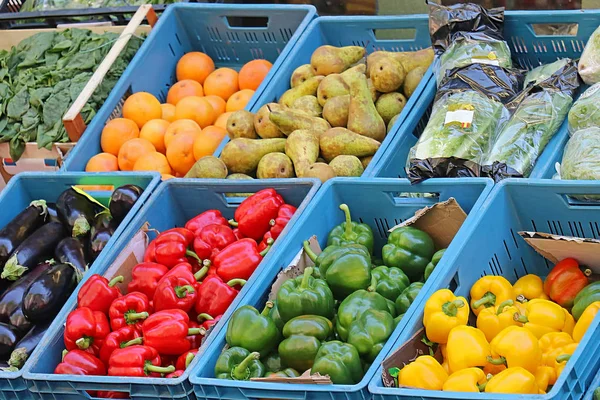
(305, 295)
(584, 298)
(354, 305)
(272, 362)
(340, 361)
(407, 297)
(276, 317)
(597, 393)
(252, 330)
(350, 232)
(409, 249)
(303, 337)
(388, 282)
(433, 263)
(398, 319)
(239, 364)
(369, 333)
(286, 373)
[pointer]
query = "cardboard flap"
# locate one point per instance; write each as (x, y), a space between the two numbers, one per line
(305, 378)
(131, 255)
(441, 221)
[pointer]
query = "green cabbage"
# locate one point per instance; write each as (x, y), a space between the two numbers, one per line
(585, 113)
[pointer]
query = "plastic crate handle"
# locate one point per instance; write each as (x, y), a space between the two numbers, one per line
(72, 120)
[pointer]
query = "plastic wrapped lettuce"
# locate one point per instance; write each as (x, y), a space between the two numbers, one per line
(581, 159)
(589, 64)
(585, 113)
(541, 110)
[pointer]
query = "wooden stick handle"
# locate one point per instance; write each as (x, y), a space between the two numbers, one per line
(72, 120)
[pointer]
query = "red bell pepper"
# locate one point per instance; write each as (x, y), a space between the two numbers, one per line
(86, 330)
(175, 292)
(172, 248)
(118, 339)
(78, 362)
(130, 309)
(97, 293)
(175, 374)
(150, 253)
(564, 282)
(184, 270)
(166, 331)
(285, 213)
(145, 277)
(112, 395)
(137, 361)
(209, 217)
(255, 213)
(238, 235)
(215, 296)
(195, 340)
(209, 321)
(212, 239)
(238, 260)
(184, 360)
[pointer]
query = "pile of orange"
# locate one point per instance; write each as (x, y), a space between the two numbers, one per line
(171, 137)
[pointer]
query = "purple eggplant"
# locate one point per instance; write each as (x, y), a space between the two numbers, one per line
(52, 213)
(20, 227)
(12, 298)
(70, 250)
(76, 212)
(122, 201)
(9, 337)
(26, 345)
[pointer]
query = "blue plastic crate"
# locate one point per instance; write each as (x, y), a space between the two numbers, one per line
(494, 247)
(381, 203)
(172, 204)
(529, 50)
(589, 395)
(27, 187)
(231, 34)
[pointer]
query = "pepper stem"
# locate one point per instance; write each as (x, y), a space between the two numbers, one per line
(266, 250)
(272, 222)
(450, 308)
(496, 361)
(189, 358)
(202, 271)
(488, 300)
(309, 252)
(204, 316)
(482, 386)
(236, 282)
(149, 367)
(83, 343)
(131, 317)
(115, 280)
(233, 223)
(587, 272)
(190, 253)
(64, 354)
(521, 299)
(182, 291)
(563, 357)
(306, 277)
(348, 234)
(265, 312)
(241, 371)
(373, 286)
(194, 331)
(520, 318)
(132, 342)
(503, 305)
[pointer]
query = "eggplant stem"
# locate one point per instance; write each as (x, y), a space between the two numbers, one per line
(12, 270)
(18, 357)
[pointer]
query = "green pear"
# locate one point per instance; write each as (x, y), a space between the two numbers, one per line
(347, 166)
(409, 59)
(331, 86)
(335, 111)
(301, 74)
(263, 125)
(365, 161)
(239, 177)
(309, 87)
(240, 124)
(208, 167)
(309, 105)
(376, 56)
(392, 122)
(361, 67)
(342, 141)
(302, 147)
(289, 120)
(374, 93)
(327, 60)
(242, 155)
(321, 171)
(363, 117)
(275, 165)
(387, 75)
(389, 105)
(412, 80)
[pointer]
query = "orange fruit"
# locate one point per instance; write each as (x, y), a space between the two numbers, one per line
(168, 112)
(131, 151)
(253, 73)
(153, 162)
(180, 153)
(166, 177)
(141, 107)
(207, 142)
(217, 103)
(184, 88)
(179, 127)
(103, 162)
(154, 131)
(195, 65)
(223, 82)
(239, 100)
(197, 109)
(221, 122)
(116, 132)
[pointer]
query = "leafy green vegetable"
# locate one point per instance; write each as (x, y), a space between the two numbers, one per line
(465, 52)
(44, 74)
(581, 159)
(589, 63)
(545, 71)
(585, 112)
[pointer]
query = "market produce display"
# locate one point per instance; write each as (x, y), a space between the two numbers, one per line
(523, 336)
(44, 252)
(154, 325)
(44, 74)
(336, 316)
(43, 5)
(178, 137)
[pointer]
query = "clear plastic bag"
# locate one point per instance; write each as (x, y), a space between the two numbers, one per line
(589, 64)
(585, 113)
(581, 159)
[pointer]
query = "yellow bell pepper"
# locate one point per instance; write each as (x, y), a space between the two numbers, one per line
(493, 369)
(515, 380)
(490, 291)
(443, 311)
(423, 373)
(529, 287)
(552, 341)
(563, 357)
(585, 321)
(466, 380)
(516, 347)
(445, 364)
(467, 347)
(492, 320)
(544, 316)
(545, 376)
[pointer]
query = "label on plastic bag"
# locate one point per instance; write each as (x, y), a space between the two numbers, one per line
(590, 91)
(490, 59)
(462, 117)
